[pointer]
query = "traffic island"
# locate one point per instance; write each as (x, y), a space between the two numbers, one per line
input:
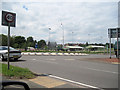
(106, 60)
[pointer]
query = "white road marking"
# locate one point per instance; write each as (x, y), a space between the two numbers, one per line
(69, 59)
(33, 59)
(51, 59)
(102, 70)
(90, 86)
(44, 61)
(81, 67)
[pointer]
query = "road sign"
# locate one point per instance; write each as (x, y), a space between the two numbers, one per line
(8, 17)
(36, 46)
(112, 32)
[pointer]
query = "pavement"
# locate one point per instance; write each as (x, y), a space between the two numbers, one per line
(46, 82)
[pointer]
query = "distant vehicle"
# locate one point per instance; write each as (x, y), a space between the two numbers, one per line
(30, 48)
(14, 54)
(115, 48)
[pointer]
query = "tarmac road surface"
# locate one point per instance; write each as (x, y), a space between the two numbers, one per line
(80, 69)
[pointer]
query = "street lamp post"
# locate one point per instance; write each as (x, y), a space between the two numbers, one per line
(72, 37)
(89, 38)
(63, 33)
(49, 34)
(49, 38)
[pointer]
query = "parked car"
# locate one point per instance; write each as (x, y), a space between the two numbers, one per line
(14, 54)
(115, 48)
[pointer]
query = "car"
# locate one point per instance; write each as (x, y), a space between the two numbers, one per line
(14, 54)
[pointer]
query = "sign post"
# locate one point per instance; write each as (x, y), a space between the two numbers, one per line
(8, 45)
(114, 33)
(117, 45)
(110, 42)
(8, 19)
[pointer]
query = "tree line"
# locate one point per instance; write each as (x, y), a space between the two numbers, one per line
(21, 42)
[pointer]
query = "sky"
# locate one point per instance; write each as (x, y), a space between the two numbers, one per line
(89, 21)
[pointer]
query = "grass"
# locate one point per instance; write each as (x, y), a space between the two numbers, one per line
(16, 72)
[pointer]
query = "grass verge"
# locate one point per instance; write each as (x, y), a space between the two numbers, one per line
(16, 72)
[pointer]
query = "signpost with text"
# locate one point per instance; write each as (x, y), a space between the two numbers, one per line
(8, 19)
(114, 33)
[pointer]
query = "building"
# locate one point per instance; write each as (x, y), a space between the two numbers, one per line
(73, 48)
(94, 48)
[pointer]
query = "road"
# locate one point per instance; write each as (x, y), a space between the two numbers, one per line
(76, 68)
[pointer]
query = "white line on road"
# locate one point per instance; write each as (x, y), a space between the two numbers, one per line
(51, 59)
(90, 86)
(102, 70)
(69, 59)
(44, 61)
(81, 67)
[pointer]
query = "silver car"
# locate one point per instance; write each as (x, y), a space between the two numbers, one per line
(14, 54)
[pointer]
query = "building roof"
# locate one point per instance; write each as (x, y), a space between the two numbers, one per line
(74, 47)
(93, 46)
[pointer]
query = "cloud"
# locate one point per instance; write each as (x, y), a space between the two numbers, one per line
(82, 18)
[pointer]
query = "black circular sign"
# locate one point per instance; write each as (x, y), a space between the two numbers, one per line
(9, 17)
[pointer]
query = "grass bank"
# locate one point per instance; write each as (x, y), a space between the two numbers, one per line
(16, 72)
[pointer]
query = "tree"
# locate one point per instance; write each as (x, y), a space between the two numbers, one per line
(20, 40)
(30, 39)
(12, 41)
(3, 39)
(30, 42)
(41, 44)
(87, 44)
